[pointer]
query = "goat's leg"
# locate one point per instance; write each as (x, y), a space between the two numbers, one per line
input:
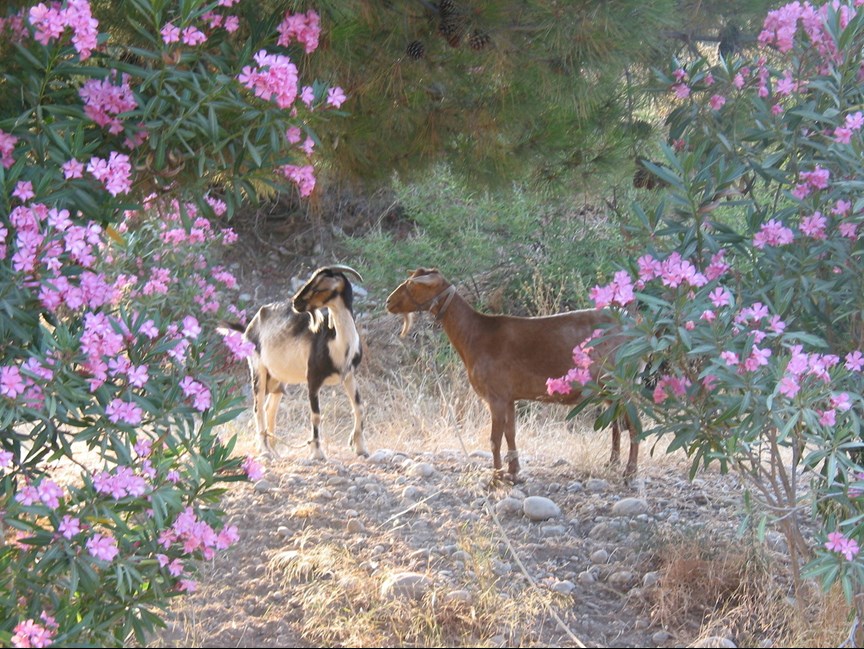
(616, 443)
(512, 457)
(633, 458)
(259, 395)
(349, 383)
(271, 409)
(497, 410)
(315, 410)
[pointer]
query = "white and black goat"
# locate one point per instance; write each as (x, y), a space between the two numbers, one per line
(296, 343)
(509, 358)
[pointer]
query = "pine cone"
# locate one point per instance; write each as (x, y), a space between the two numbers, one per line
(451, 30)
(416, 50)
(479, 40)
(446, 8)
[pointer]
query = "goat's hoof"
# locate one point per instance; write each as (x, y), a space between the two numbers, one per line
(514, 478)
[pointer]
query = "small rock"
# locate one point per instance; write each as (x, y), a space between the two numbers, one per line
(355, 526)
(553, 530)
(381, 456)
(574, 487)
(263, 486)
(715, 641)
(630, 507)
(410, 585)
(603, 531)
(412, 493)
(661, 636)
(621, 578)
(539, 508)
(650, 579)
(421, 470)
(642, 624)
(462, 595)
(566, 587)
(597, 484)
(283, 530)
(501, 568)
(599, 557)
(516, 493)
(461, 555)
(586, 578)
(508, 506)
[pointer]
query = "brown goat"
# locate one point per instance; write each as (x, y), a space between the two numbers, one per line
(510, 358)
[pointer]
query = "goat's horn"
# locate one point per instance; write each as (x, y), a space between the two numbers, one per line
(407, 322)
(346, 269)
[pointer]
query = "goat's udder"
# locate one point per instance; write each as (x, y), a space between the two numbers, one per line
(407, 323)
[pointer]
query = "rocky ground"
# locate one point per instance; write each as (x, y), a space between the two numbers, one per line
(414, 546)
(581, 556)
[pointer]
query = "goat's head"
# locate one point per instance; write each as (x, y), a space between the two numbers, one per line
(325, 286)
(422, 291)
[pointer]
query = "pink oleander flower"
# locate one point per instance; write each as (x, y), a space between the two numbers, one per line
(188, 585)
(827, 417)
(170, 34)
(837, 542)
(73, 169)
(303, 177)
(69, 527)
(199, 393)
(720, 296)
(252, 469)
(730, 358)
(31, 634)
(841, 402)
(11, 382)
(681, 90)
(818, 178)
(102, 547)
(842, 135)
(7, 146)
(717, 102)
(275, 78)
(115, 173)
(789, 386)
(239, 346)
(104, 101)
(854, 361)
(193, 36)
(305, 28)
(124, 411)
(814, 226)
(24, 190)
(772, 233)
(336, 97)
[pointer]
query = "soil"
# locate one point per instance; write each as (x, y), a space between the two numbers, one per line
(416, 545)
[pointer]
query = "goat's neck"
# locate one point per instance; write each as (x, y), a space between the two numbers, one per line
(343, 322)
(461, 324)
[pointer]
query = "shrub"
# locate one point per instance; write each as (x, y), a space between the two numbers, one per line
(119, 153)
(749, 301)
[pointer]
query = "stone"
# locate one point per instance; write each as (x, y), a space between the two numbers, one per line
(630, 507)
(539, 508)
(408, 585)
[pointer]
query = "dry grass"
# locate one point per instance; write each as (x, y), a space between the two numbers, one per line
(345, 606)
(738, 591)
(417, 400)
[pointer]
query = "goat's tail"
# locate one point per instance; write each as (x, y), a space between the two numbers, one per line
(225, 327)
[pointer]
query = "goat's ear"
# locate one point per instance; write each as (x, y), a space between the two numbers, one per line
(426, 280)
